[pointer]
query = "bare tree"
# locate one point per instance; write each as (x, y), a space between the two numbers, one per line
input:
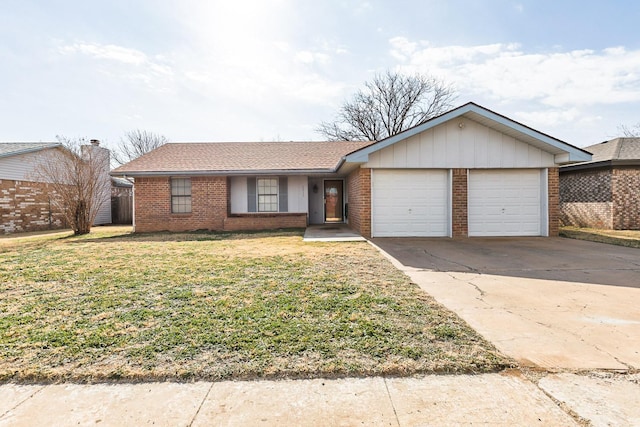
(136, 143)
(389, 104)
(78, 174)
(630, 132)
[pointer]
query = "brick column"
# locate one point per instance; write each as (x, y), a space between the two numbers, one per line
(553, 189)
(459, 214)
(359, 199)
(365, 188)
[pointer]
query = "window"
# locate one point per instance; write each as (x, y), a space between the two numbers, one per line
(180, 195)
(267, 194)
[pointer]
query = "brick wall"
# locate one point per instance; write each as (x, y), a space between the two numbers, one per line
(153, 205)
(553, 192)
(626, 198)
(209, 209)
(586, 198)
(263, 221)
(359, 199)
(459, 215)
(27, 206)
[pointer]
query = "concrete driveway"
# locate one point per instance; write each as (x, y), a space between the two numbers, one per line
(549, 302)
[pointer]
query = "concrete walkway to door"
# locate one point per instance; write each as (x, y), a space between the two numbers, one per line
(549, 302)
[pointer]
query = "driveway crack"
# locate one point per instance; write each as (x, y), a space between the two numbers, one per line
(470, 283)
(21, 402)
(471, 269)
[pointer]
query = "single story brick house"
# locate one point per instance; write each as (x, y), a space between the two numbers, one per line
(25, 199)
(467, 172)
(605, 191)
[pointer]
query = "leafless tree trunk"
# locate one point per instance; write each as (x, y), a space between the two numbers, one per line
(389, 104)
(79, 176)
(136, 143)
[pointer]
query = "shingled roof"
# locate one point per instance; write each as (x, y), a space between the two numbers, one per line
(619, 151)
(616, 149)
(241, 157)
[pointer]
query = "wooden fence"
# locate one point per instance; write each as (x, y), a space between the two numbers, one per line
(122, 209)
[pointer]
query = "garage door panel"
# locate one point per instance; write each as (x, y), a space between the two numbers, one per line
(410, 203)
(504, 202)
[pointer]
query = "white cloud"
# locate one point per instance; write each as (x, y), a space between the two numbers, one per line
(308, 57)
(110, 52)
(506, 72)
(558, 117)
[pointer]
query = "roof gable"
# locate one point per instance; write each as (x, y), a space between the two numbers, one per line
(562, 151)
(241, 158)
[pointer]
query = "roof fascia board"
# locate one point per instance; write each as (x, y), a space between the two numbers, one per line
(222, 173)
(31, 150)
(574, 154)
(600, 165)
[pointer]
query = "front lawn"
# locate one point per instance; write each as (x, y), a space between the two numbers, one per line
(111, 305)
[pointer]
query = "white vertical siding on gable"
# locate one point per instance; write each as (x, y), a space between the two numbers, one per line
(298, 187)
(239, 194)
(471, 146)
(439, 149)
(413, 152)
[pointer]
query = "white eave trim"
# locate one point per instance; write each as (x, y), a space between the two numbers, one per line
(570, 154)
(247, 172)
(31, 150)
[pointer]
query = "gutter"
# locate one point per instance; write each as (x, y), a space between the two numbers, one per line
(226, 173)
(600, 164)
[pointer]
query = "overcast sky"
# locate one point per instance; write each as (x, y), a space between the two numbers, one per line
(273, 69)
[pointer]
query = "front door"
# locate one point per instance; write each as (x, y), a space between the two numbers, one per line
(333, 201)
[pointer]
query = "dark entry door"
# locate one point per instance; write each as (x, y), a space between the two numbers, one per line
(333, 201)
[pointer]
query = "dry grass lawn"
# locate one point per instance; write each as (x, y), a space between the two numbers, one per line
(111, 305)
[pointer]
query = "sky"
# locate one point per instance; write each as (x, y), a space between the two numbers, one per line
(272, 70)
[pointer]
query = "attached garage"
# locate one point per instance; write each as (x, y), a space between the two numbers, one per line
(467, 172)
(410, 203)
(506, 202)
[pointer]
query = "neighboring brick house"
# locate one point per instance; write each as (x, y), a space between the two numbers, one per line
(603, 192)
(26, 201)
(468, 172)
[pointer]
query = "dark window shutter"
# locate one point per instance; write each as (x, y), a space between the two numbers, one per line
(284, 197)
(251, 195)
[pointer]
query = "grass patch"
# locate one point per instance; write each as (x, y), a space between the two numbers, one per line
(112, 305)
(629, 238)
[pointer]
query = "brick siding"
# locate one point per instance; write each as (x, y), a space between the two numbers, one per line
(209, 209)
(27, 206)
(263, 221)
(460, 206)
(553, 194)
(606, 198)
(626, 198)
(359, 199)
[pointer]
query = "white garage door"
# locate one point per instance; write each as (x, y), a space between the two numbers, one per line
(410, 203)
(504, 202)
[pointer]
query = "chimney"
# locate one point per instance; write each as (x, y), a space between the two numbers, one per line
(95, 142)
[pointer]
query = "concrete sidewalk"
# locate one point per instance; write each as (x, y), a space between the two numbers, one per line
(507, 398)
